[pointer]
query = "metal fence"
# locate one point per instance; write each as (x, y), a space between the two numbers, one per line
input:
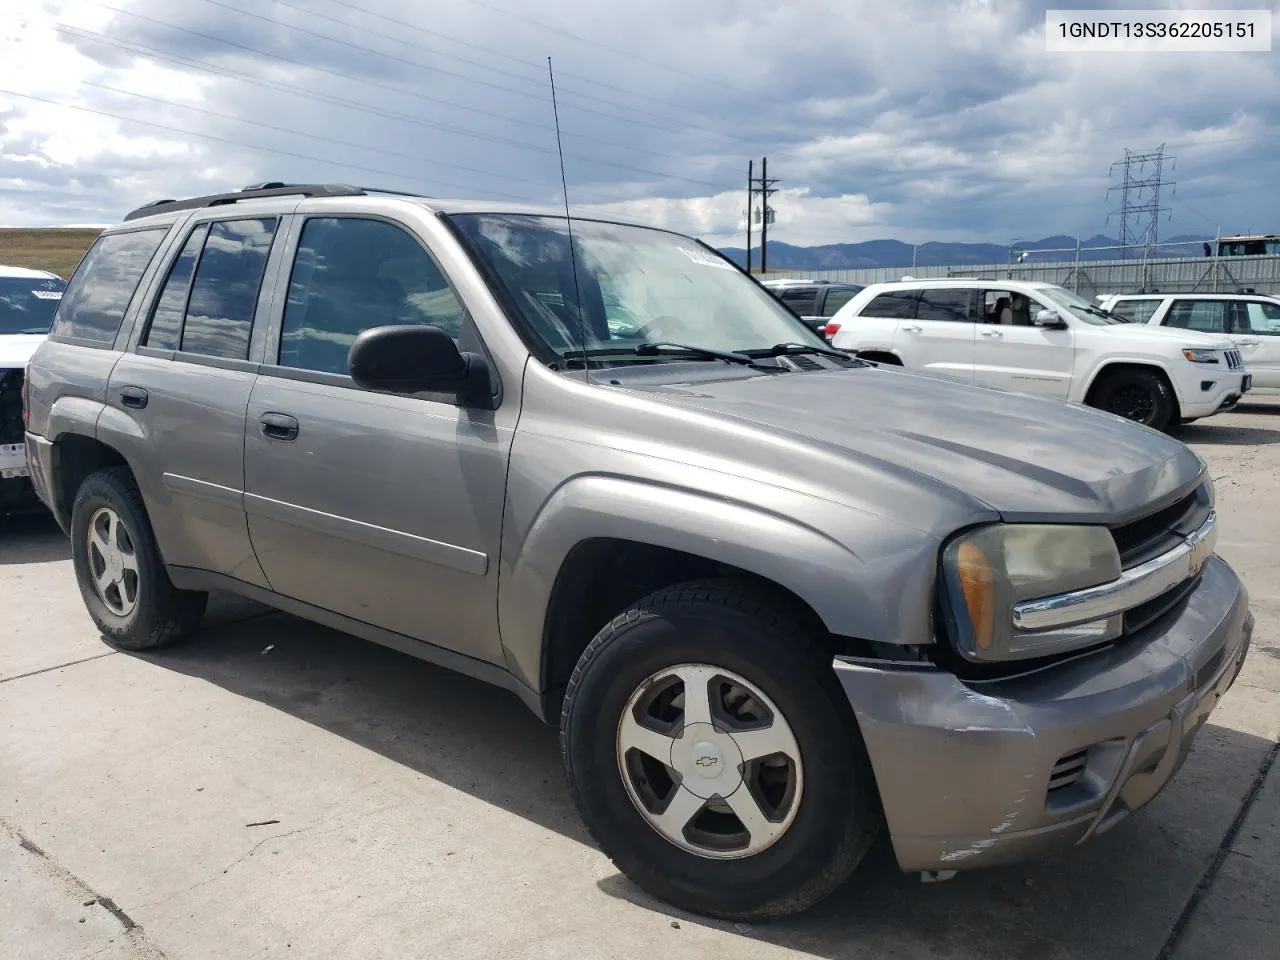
(1090, 278)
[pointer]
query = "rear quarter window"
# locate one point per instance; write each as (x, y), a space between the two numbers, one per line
(102, 287)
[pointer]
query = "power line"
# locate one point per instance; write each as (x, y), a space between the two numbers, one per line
(457, 130)
(262, 149)
(627, 53)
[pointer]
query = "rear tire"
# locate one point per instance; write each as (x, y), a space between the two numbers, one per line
(807, 821)
(122, 579)
(1142, 396)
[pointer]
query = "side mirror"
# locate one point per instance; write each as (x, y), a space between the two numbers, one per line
(418, 359)
(1050, 319)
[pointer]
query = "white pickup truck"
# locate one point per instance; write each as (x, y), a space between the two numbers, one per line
(28, 301)
(1043, 339)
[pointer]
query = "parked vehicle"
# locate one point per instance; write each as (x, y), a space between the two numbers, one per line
(991, 623)
(813, 301)
(1251, 321)
(1043, 339)
(28, 299)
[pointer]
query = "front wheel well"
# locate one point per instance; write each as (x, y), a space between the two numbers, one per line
(76, 457)
(1111, 369)
(602, 577)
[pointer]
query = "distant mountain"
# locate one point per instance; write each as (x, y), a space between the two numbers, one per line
(895, 253)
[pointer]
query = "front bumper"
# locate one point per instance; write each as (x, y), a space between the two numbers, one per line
(1224, 392)
(977, 775)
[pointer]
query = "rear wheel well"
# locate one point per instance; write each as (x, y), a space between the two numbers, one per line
(77, 457)
(1111, 369)
(880, 356)
(601, 578)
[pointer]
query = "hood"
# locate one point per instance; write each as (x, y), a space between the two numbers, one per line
(16, 349)
(1025, 457)
(1160, 335)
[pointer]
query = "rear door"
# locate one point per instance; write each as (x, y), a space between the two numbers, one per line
(1256, 332)
(1012, 352)
(185, 388)
(385, 509)
(939, 338)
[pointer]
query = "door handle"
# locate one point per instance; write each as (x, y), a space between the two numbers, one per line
(278, 426)
(994, 334)
(912, 329)
(1247, 343)
(134, 397)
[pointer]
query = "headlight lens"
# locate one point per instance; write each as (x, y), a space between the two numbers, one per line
(1200, 356)
(989, 570)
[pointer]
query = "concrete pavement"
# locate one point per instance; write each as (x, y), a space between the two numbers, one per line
(274, 789)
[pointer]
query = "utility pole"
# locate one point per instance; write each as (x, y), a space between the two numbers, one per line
(1140, 208)
(763, 186)
(751, 193)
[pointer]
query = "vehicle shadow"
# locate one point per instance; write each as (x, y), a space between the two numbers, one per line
(32, 538)
(1116, 897)
(1220, 434)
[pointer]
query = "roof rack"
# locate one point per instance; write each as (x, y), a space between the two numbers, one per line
(272, 188)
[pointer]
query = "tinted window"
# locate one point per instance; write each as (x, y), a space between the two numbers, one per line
(837, 299)
(100, 290)
(351, 274)
(801, 300)
(165, 331)
(225, 292)
(1206, 315)
(952, 305)
(899, 305)
(1262, 317)
(1136, 311)
(27, 304)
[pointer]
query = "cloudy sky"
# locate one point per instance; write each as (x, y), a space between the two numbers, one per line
(915, 120)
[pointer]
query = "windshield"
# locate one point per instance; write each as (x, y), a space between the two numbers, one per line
(27, 304)
(637, 285)
(1082, 308)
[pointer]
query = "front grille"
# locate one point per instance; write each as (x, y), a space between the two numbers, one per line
(1068, 771)
(1234, 361)
(1145, 614)
(11, 429)
(1147, 538)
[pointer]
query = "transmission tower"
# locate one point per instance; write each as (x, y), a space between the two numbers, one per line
(1140, 208)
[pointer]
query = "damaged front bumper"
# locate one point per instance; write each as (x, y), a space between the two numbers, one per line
(974, 775)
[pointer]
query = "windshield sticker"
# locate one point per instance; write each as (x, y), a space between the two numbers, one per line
(47, 294)
(705, 260)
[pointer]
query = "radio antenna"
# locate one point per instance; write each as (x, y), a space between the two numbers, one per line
(573, 258)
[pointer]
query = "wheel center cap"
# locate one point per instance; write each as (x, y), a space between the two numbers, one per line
(708, 761)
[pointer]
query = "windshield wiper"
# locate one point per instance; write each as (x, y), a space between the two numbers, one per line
(655, 348)
(791, 348)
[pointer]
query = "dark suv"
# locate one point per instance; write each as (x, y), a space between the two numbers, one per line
(813, 301)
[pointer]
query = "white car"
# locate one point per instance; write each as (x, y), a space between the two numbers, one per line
(1252, 321)
(1043, 339)
(28, 300)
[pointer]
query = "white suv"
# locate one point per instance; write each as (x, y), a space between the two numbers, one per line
(1252, 321)
(1044, 339)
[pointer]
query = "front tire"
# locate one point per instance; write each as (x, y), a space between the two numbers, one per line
(122, 579)
(1142, 396)
(712, 754)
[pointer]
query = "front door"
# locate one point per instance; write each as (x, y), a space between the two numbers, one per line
(939, 337)
(384, 509)
(1011, 351)
(1256, 332)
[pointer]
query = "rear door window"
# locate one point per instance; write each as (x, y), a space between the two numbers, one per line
(1209, 316)
(1261, 317)
(895, 305)
(224, 293)
(165, 330)
(802, 300)
(100, 291)
(954, 306)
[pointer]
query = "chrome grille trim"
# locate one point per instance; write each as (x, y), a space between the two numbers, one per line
(1132, 588)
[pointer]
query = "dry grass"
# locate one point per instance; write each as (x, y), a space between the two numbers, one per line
(54, 249)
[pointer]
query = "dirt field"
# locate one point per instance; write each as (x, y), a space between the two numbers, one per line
(57, 249)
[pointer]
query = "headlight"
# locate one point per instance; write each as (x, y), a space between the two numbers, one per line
(1196, 355)
(989, 570)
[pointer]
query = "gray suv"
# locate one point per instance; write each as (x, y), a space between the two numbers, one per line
(579, 459)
